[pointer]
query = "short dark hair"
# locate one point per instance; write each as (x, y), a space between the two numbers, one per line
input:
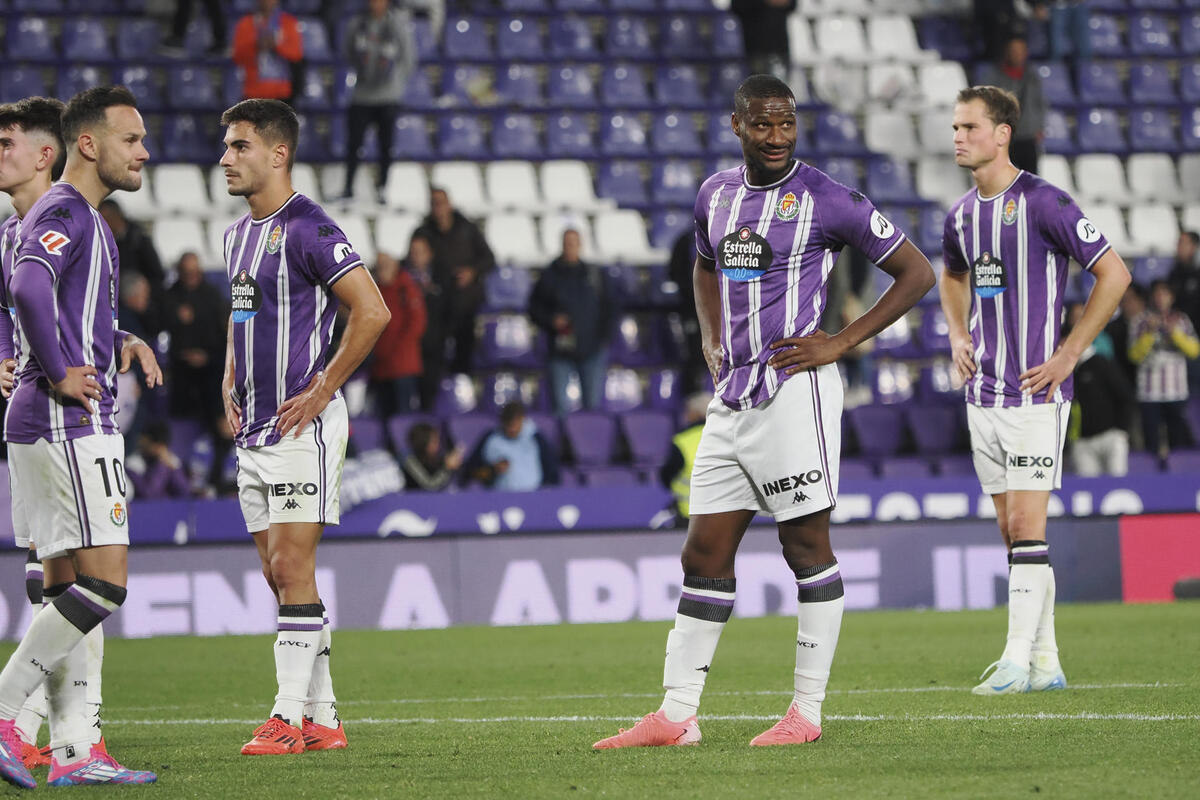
(41, 114)
(89, 108)
(511, 412)
(759, 87)
(419, 436)
(1003, 107)
(1162, 283)
(274, 120)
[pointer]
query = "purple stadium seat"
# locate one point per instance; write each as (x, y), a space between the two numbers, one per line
(687, 5)
(1189, 35)
(889, 181)
(649, 436)
(517, 38)
(679, 86)
(633, 5)
(19, 81)
(1189, 83)
(185, 435)
(507, 339)
(634, 342)
(947, 35)
(398, 427)
(1190, 123)
(1157, 5)
(193, 89)
(627, 37)
(679, 37)
(724, 82)
(622, 391)
(1100, 84)
(467, 430)
(75, 79)
(515, 136)
(427, 43)
(143, 83)
(664, 390)
(622, 135)
(313, 94)
(622, 181)
(1105, 35)
(1184, 461)
(582, 6)
(547, 426)
(570, 86)
(461, 136)
(463, 82)
(418, 94)
(1141, 463)
(185, 138)
(854, 469)
(313, 147)
(316, 40)
(507, 289)
(930, 222)
(519, 85)
(367, 433)
(410, 141)
(934, 428)
(609, 476)
(466, 39)
(1148, 269)
(29, 39)
(836, 133)
(525, 5)
(1150, 82)
(721, 139)
(727, 38)
(1150, 35)
(1100, 132)
(674, 135)
(673, 182)
(935, 332)
(1057, 84)
(893, 382)
(569, 136)
(571, 38)
(843, 170)
(1151, 130)
(879, 430)
(667, 224)
(1058, 137)
(958, 465)
(84, 39)
(624, 86)
(592, 436)
(905, 468)
(455, 395)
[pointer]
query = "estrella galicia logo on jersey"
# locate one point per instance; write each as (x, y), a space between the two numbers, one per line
(324, 231)
(1086, 231)
(53, 242)
(1010, 212)
(788, 207)
(117, 515)
(341, 251)
(274, 240)
(245, 296)
(744, 255)
(61, 213)
(790, 482)
(988, 277)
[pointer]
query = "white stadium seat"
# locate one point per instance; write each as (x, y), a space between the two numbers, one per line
(358, 233)
(304, 181)
(1108, 220)
(892, 37)
(941, 82)
(513, 239)
(568, 184)
(408, 188)
(800, 40)
(935, 129)
(139, 205)
(393, 232)
(181, 189)
(216, 240)
(1057, 170)
(1100, 178)
(554, 224)
(333, 182)
(891, 84)
(223, 203)
(173, 237)
(841, 38)
(1189, 174)
(841, 85)
(1154, 229)
(941, 180)
(1152, 177)
(512, 185)
(1191, 217)
(463, 182)
(891, 132)
(621, 238)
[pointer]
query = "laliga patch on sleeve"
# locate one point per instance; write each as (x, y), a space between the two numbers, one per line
(880, 226)
(1086, 231)
(53, 242)
(341, 251)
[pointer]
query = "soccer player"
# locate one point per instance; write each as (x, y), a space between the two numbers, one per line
(767, 236)
(1006, 245)
(65, 450)
(289, 266)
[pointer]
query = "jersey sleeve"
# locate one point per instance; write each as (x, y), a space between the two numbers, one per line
(848, 217)
(49, 241)
(328, 254)
(703, 245)
(952, 253)
(1064, 225)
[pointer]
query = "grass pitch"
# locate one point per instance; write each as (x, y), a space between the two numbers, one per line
(477, 712)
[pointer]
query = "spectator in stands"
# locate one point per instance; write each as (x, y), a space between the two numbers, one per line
(1012, 72)
(573, 303)
(998, 21)
(137, 315)
(381, 48)
(156, 472)
(461, 258)
(267, 46)
(173, 45)
(765, 34)
(1132, 304)
(1069, 24)
(1162, 340)
(396, 361)
(1185, 276)
(427, 467)
(676, 471)
(419, 266)
(515, 457)
(679, 270)
(137, 254)
(1102, 410)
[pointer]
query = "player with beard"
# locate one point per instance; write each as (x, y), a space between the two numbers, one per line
(767, 235)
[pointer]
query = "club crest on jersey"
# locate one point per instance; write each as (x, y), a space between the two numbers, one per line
(118, 514)
(274, 239)
(245, 296)
(53, 242)
(744, 255)
(1010, 212)
(988, 277)
(788, 207)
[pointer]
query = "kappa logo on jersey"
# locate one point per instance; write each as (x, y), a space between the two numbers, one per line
(246, 297)
(1086, 231)
(744, 255)
(342, 251)
(118, 514)
(61, 213)
(274, 240)
(53, 242)
(881, 226)
(988, 277)
(324, 231)
(788, 207)
(1010, 212)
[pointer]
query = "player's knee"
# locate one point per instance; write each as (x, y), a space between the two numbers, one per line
(287, 570)
(706, 564)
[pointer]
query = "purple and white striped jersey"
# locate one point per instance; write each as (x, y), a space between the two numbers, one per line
(64, 235)
(774, 247)
(281, 271)
(1017, 245)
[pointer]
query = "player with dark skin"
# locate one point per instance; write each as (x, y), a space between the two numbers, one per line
(767, 130)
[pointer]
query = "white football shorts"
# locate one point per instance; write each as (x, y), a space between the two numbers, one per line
(1019, 448)
(779, 458)
(297, 479)
(69, 495)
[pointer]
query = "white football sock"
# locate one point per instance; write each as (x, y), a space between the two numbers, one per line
(1027, 580)
(704, 608)
(31, 716)
(295, 651)
(819, 622)
(1045, 646)
(66, 695)
(321, 707)
(94, 644)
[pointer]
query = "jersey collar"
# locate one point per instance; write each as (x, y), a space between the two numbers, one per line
(1000, 193)
(254, 221)
(791, 172)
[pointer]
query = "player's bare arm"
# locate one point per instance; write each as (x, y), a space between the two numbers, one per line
(233, 411)
(368, 317)
(955, 291)
(8, 376)
(708, 311)
(1112, 278)
(912, 278)
(133, 348)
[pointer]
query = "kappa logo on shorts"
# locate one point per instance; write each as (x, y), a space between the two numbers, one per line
(118, 514)
(53, 242)
(291, 504)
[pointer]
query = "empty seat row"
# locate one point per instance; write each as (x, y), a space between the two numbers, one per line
(1108, 130)
(1103, 83)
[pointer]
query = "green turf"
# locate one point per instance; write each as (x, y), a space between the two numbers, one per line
(479, 712)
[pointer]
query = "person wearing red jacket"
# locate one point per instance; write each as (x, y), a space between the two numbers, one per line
(397, 357)
(266, 44)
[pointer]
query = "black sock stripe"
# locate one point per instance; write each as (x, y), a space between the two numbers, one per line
(32, 557)
(79, 614)
(302, 610)
(710, 584)
(51, 592)
(109, 591)
(33, 590)
(816, 569)
(710, 612)
(820, 594)
(1040, 558)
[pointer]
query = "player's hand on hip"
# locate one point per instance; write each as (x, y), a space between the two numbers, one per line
(1048, 376)
(135, 348)
(297, 412)
(963, 356)
(8, 376)
(80, 384)
(805, 352)
(714, 357)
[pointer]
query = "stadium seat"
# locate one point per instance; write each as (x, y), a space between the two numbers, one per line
(509, 339)
(892, 84)
(29, 39)
(612, 477)
(889, 181)
(622, 390)
(621, 238)
(316, 40)
(568, 184)
(367, 433)
(934, 428)
(456, 395)
(17, 82)
(1154, 228)
(410, 141)
(187, 138)
(174, 237)
(513, 239)
(466, 84)
(358, 233)
(835, 133)
(905, 468)
(800, 41)
(571, 39)
(516, 136)
(940, 82)
(1183, 461)
(463, 183)
(1152, 177)
(1101, 178)
(1108, 220)
(512, 185)
(935, 129)
(1105, 36)
(466, 39)
(1150, 35)
(1191, 217)
(634, 342)
(890, 132)
(879, 430)
(76, 78)
(1151, 130)
(673, 182)
(622, 182)
(846, 171)
(393, 233)
(649, 436)
(854, 469)
(407, 188)
(1189, 174)
(582, 6)
(569, 135)
(591, 436)
(519, 39)
(192, 89)
(222, 203)
(841, 38)
(675, 135)
(507, 288)
(418, 94)
(136, 37)
(554, 225)
(679, 38)
(721, 139)
(664, 390)
(949, 36)
(1189, 83)
(622, 135)
(1100, 84)
(678, 86)
(624, 86)
(181, 189)
(1150, 83)
(519, 85)
(467, 430)
(936, 181)
(1190, 124)
(668, 224)
(84, 39)
(1057, 170)
(313, 94)
(1147, 269)
(1057, 85)
(1189, 35)
(894, 383)
(843, 86)
(1100, 132)
(931, 221)
(727, 41)
(570, 86)
(892, 37)
(627, 37)
(1057, 138)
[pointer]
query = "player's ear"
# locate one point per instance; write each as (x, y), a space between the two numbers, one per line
(86, 144)
(46, 157)
(736, 124)
(1004, 133)
(280, 156)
